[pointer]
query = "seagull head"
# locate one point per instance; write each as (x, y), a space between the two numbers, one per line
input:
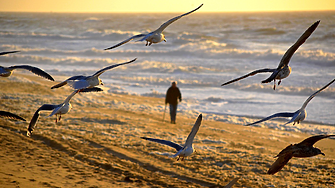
(163, 37)
(100, 82)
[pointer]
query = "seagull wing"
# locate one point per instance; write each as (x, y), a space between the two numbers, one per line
(9, 52)
(73, 78)
(250, 74)
(272, 76)
(279, 163)
(313, 139)
(127, 40)
(34, 119)
(289, 53)
(165, 142)
(78, 84)
(282, 114)
(164, 25)
(193, 132)
(34, 70)
(294, 117)
(56, 109)
(147, 36)
(93, 89)
(314, 94)
(110, 67)
(10, 115)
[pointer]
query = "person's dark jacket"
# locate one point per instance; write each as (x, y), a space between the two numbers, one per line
(172, 96)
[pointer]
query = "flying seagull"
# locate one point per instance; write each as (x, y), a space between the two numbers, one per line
(9, 52)
(10, 115)
(59, 109)
(7, 71)
(187, 149)
(155, 36)
(302, 149)
(283, 70)
(299, 115)
(81, 82)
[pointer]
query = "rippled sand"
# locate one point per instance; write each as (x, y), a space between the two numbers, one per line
(97, 144)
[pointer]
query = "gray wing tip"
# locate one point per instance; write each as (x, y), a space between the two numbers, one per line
(271, 172)
(314, 26)
(200, 117)
(11, 115)
(109, 48)
(199, 7)
(8, 52)
(225, 84)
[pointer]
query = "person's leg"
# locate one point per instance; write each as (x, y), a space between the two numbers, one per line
(171, 112)
(175, 113)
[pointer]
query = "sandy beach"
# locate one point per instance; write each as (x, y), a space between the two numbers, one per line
(98, 144)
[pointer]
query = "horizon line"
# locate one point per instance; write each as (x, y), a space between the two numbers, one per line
(121, 12)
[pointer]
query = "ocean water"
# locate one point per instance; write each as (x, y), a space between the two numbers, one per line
(202, 51)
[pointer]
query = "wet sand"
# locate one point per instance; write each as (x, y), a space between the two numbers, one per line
(98, 144)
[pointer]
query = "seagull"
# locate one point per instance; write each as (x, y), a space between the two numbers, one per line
(59, 109)
(302, 149)
(10, 115)
(299, 115)
(187, 149)
(155, 36)
(7, 71)
(283, 70)
(81, 82)
(9, 52)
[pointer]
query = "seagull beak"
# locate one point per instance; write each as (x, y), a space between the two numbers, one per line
(102, 83)
(164, 40)
(323, 154)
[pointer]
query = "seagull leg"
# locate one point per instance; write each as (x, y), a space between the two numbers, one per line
(178, 158)
(274, 84)
(147, 43)
(56, 118)
(150, 43)
(279, 82)
(182, 159)
(60, 116)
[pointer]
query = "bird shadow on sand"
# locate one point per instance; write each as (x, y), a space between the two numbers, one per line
(100, 121)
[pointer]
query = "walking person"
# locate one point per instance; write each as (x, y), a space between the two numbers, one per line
(172, 96)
